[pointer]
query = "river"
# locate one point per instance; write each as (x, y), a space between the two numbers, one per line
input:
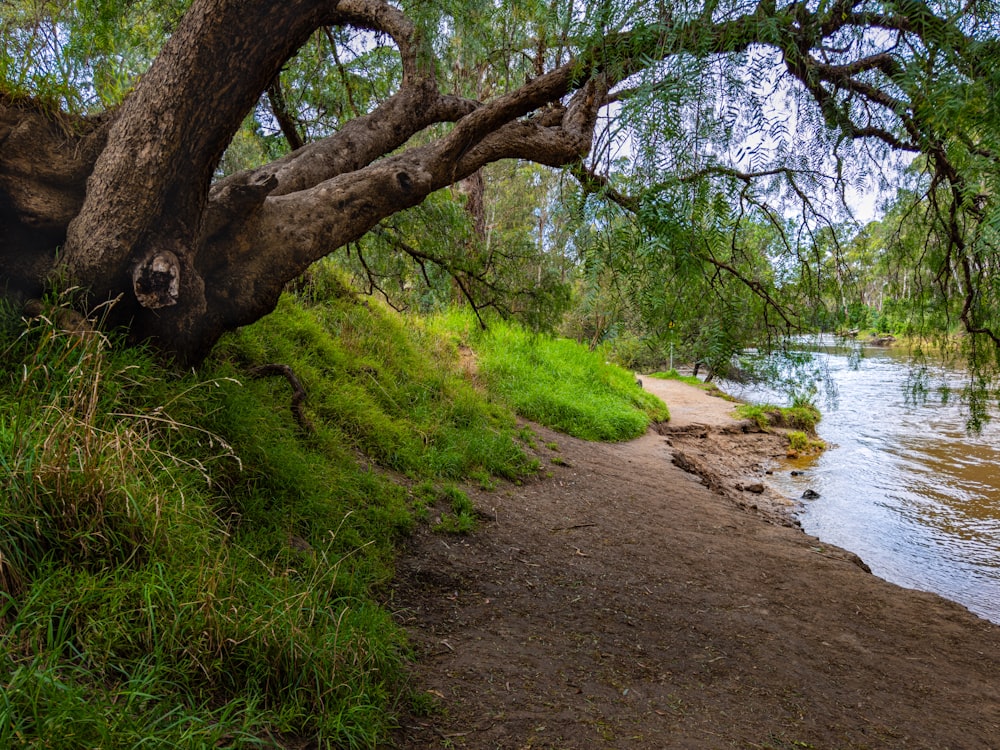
(903, 484)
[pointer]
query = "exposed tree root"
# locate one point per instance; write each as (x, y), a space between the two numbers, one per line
(298, 392)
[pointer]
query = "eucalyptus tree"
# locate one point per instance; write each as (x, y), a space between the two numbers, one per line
(115, 116)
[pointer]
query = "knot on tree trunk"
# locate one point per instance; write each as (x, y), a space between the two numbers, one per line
(156, 280)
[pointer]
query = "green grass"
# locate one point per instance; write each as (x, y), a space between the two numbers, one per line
(183, 565)
(803, 417)
(798, 440)
(558, 382)
(461, 518)
(674, 375)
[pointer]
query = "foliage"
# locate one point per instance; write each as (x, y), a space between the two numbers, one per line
(461, 517)
(688, 276)
(790, 370)
(713, 211)
(83, 55)
(797, 440)
(432, 256)
(800, 442)
(558, 382)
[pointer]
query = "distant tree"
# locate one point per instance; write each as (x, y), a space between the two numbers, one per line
(116, 117)
(494, 244)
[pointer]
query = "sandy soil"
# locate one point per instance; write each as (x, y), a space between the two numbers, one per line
(623, 602)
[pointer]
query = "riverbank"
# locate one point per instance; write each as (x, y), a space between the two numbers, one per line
(621, 601)
(733, 457)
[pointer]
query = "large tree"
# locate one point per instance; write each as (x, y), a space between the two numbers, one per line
(127, 203)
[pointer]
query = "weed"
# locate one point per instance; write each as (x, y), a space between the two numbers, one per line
(527, 436)
(462, 518)
(488, 483)
(797, 440)
(803, 416)
(800, 442)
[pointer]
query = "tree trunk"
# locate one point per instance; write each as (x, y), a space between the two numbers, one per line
(44, 165)
(129, 198)
(136, 237)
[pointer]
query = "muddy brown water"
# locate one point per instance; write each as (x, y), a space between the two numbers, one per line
(904, 484)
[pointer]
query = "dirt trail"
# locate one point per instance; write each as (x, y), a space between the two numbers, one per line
(622, 603)
(691, 407)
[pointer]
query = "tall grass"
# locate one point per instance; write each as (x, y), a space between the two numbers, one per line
(386, 387)
(558, 382)
(182, 565)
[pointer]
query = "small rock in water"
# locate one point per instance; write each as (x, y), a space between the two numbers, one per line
(797, 473)
(810, 495)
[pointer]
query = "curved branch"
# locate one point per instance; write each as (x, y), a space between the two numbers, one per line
(298, 392)
(237, 242)
(753, 285)
(374, 15)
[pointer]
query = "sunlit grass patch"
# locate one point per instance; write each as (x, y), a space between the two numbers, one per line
(674, 375)
(386, 387)
(559, 382)
(803, 416)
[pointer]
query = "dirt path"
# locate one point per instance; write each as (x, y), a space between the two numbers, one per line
(622, 603)
(691, 407)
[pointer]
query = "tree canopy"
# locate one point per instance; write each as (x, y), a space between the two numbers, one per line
(189, 159)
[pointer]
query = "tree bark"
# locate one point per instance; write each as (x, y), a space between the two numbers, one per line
(136, 236)
(45, 160)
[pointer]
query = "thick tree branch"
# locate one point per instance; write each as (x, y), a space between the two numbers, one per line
(375, 15)
(179, 120)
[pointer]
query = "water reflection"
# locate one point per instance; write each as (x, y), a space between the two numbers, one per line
(903, 485)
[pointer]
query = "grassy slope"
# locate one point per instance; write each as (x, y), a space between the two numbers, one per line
(183, 565)
(558, 382)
